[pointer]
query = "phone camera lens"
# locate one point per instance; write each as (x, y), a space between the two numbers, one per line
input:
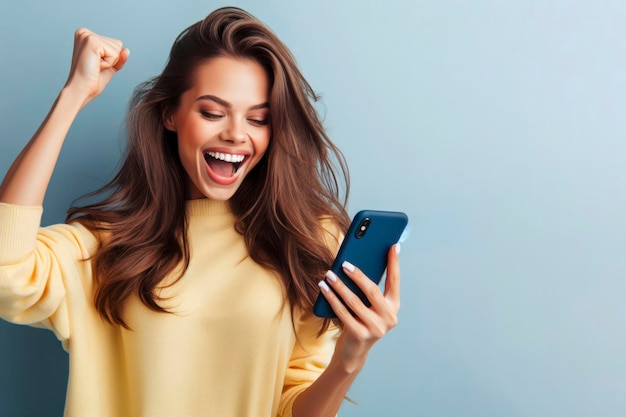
(363, 226)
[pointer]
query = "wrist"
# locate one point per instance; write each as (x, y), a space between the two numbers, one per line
(347, 367)
(73, 97)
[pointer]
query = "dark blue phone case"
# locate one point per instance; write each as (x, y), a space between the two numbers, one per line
(369, 252)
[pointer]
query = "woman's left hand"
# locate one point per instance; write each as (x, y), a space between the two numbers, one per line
(368, 324)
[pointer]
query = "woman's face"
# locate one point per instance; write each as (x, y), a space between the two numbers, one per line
(222, 124)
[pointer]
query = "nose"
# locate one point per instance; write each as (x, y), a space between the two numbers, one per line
(234, 131)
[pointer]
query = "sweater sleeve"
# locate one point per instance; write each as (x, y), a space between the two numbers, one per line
(309, 359)
(312, 352)
(36, 267)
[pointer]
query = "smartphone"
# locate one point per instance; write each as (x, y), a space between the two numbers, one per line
(365, 245)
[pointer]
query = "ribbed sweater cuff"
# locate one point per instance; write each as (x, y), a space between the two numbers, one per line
(18, 231)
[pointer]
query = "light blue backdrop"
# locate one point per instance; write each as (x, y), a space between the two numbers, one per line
(496, 125)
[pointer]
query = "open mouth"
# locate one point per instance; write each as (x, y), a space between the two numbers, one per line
(224, 164)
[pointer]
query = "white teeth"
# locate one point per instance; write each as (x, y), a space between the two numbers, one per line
(228, 157)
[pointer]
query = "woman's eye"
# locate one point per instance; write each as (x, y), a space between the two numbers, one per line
(259, 122)
(210, 115)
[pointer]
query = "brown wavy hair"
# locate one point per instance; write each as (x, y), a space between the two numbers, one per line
(301, 179)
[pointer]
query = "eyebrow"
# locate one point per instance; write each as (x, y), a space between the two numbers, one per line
(228, 105)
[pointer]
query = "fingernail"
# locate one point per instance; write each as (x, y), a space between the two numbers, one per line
(348, 266)
(331, 276)
(397, 248)
(324, 286)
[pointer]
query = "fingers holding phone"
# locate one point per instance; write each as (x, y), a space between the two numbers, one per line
(368, 244)
(392, 281)
(363, 325)
(380, 313)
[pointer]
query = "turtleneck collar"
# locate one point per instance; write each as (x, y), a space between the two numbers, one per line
(207, 207)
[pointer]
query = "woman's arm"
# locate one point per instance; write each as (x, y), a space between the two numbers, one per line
(360, 333)
(94, 61)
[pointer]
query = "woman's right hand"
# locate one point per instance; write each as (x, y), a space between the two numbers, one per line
(94, 62)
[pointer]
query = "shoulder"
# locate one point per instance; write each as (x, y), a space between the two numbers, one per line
(73, 233)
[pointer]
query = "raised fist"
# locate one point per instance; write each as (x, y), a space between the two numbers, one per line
(94, 61)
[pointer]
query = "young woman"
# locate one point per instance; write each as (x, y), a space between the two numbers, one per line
(188, 289)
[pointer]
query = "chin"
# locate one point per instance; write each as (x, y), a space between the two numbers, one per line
(219, 194)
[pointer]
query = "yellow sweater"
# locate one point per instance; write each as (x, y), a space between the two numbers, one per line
(229, 349)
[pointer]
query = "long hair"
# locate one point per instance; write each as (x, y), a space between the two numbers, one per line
(280, 207)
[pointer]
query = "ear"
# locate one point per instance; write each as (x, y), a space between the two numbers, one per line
(169, 124)
(168, 120)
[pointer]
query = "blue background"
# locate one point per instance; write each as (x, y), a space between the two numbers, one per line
(496, 125)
